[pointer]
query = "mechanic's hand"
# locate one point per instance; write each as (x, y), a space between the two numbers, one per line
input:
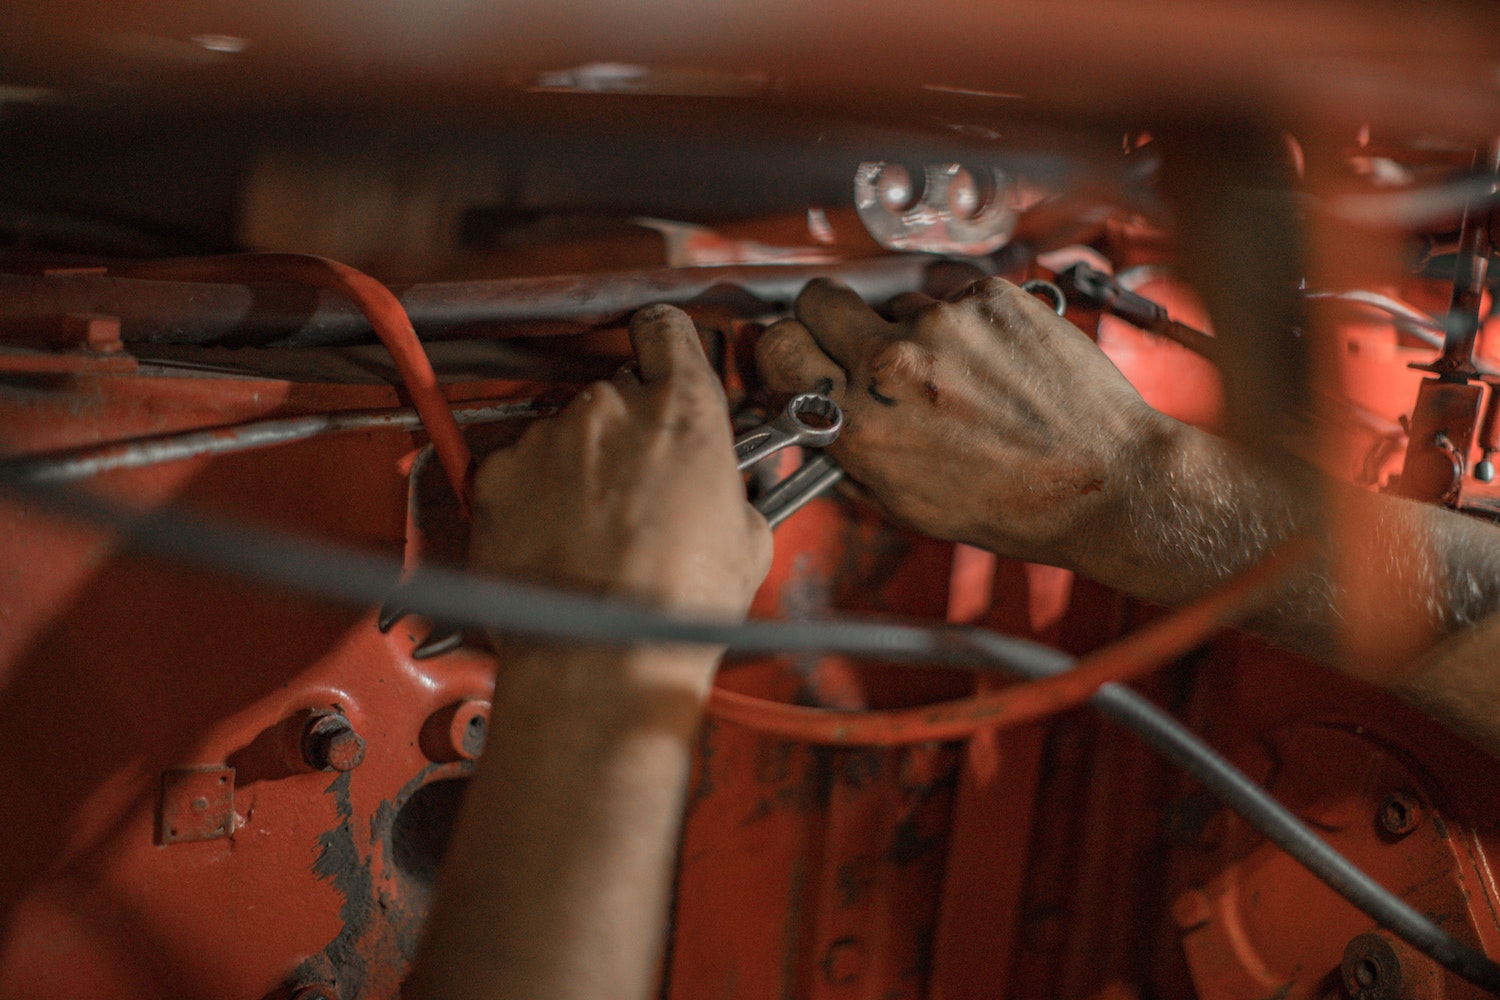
(632, 490)
(987, 419)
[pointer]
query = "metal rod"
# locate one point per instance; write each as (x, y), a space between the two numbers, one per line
(138, 453)
(1408, 317)
(1468, 277)
(185, 312)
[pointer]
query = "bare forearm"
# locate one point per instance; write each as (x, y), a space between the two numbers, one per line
(556, 883)
(1393, 577)
(999, 424)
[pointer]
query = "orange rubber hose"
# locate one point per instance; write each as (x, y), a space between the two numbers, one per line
(380, 306)
(1129, 658)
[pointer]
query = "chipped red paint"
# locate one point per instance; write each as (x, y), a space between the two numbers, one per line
(1052, 860)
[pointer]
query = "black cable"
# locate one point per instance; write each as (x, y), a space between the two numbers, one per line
(364, 579)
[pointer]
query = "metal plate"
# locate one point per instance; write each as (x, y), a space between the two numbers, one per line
(197, 803)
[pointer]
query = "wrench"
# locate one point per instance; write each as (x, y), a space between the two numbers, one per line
(817, 474)
(788, 428)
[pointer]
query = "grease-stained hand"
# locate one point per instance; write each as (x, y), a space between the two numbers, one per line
(632, 490)
(987, 419)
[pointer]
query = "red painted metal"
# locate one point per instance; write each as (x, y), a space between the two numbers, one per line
(381, 308)
(1056, 858)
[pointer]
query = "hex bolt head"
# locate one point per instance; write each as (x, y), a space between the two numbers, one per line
(329, 743)
(1371, 969)
(1399, 814)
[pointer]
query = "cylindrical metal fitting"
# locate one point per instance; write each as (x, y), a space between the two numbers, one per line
(330, 743)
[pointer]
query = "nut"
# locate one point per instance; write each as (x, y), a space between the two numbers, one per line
(1400, 814)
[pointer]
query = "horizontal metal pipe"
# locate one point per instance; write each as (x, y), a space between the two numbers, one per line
(1409, 318)
(136, 453)
(183, 312)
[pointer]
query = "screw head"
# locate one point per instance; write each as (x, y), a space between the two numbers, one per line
(1399, 814)
(330, 743)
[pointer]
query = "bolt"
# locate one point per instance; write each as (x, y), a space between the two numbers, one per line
(1484, 469)
(100, 334)
(1371, 969)
(1400, 814)
(329, 743)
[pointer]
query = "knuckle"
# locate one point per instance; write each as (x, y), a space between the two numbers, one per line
(597, 404)
(992, 289)
(782, 351)
(900, 358)
(997, 298)
(691, 395)
(687, 401)
(933, 321)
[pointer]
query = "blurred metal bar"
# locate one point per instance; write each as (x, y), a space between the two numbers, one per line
(180, 312)
(1469, 273)
(137, 453)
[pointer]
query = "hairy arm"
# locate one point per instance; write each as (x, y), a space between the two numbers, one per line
(556, 881)
(991, 421)
(1392, 579)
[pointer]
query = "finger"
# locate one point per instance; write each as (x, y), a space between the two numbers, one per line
(839, 321)
(666, 345)
(906, 305)
(790, 361)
